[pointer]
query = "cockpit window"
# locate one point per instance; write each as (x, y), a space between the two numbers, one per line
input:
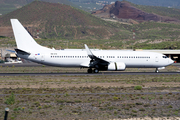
(164, 56)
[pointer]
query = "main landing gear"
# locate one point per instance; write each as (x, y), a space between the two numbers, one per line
(156, 71)
(93, 71)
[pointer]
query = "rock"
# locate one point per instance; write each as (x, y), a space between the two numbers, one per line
(124, 10)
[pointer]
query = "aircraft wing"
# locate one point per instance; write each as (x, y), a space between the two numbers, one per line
(94, 59)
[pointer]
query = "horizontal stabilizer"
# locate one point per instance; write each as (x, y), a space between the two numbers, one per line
(18, 51)
(11, 51)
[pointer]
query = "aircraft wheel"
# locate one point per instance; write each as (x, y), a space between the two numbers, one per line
(89, 70)
(156, 71)
(96, 71)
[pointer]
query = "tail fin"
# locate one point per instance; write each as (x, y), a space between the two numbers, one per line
(23, 39)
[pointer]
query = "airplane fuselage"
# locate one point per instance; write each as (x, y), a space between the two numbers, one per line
(76, 57)
(112, 60)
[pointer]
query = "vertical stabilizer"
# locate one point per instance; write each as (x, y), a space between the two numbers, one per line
(23, 39)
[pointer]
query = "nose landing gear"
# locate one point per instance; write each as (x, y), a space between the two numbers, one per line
(156, 71)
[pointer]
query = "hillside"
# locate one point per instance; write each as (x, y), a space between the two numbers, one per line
(125, 10)
(163, 3)
(63, 26)
(7, 6)
(98, 4)
(54, 20)
(162, 11)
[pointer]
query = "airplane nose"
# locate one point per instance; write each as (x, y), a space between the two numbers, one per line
(171, 61)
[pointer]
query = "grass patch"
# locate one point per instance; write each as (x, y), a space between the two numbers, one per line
(138, 88)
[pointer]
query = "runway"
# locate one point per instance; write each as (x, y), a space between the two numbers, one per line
(87, 74)
(77, 73)
(38, 65)
(21, 65)
(77, 94)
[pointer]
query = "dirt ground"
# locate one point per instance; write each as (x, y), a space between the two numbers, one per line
(102, 97)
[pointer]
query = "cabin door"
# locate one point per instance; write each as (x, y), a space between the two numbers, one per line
(156, 59)
(42, 57)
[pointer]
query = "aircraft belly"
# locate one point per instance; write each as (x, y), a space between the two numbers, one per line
(64, 62)
(138, 64)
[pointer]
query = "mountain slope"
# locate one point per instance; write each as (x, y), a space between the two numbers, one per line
(7, 6)
(164, 3)
(54, 20)
(71, 27)
(163, 11)
(126, 10)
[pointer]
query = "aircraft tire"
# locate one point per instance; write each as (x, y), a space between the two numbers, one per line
(156, 71)
(96, 71)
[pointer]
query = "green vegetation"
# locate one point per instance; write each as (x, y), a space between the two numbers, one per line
(138, 88)
(6, 8)
(2, 37)
(61, 26)
(87, 96)
(149, 35)
(165, 3)
(11, 5)
(164, 11)
(10, 100)
(57, 21)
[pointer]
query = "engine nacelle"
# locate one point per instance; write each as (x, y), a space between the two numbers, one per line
(116, 66)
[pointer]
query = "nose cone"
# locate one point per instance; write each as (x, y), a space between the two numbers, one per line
(171, 61)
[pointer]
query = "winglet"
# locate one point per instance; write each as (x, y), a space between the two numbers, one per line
(90, 54)
(88, 50)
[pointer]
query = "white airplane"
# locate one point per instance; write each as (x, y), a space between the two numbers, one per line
(94, 60)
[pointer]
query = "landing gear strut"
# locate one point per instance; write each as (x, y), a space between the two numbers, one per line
(89, 70)
(156, 71)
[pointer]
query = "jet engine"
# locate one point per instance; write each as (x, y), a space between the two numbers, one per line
(116, 66)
